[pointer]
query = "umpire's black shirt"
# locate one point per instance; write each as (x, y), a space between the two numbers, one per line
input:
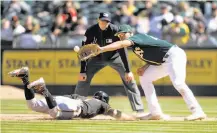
(104, 37)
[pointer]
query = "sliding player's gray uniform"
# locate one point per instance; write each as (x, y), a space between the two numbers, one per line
(70, 106)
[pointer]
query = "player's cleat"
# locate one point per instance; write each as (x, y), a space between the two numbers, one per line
(165, 117)
(22, 72)
(155, 117)
(38, 85)
(196, 116)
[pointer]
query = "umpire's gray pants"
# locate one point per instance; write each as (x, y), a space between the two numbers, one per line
(94, 65)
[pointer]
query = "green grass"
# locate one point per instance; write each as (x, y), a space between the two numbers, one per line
(174, 106)
(107, 127)
(171, 105)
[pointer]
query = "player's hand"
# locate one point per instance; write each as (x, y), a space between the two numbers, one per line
(82, 77)
(141, 70)
(129, 76)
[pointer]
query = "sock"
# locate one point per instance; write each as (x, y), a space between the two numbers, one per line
(29, 93)
(51, 102)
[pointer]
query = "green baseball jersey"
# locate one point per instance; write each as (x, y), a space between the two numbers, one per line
(150, 49)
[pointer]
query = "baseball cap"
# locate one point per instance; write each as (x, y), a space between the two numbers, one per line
(105, 16)
(124, 28)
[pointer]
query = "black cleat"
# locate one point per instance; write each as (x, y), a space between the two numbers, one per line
(22, 72)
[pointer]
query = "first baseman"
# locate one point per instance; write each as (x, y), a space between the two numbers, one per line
(162, 58)
(65, 107)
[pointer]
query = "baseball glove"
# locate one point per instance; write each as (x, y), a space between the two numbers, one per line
(88, 51)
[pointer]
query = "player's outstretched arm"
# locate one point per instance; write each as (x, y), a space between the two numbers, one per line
(116, 45)
(120, 115)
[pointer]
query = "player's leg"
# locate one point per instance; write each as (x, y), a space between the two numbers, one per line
(60, 107)
(177, 72)
(32, 102)
(49, 102)
(23, 74)
(93, 66)
(151, 74)
(131, 88)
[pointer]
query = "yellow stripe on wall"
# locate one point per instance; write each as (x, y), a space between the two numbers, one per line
(62, 67)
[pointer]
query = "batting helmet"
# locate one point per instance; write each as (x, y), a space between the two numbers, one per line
(101, 96)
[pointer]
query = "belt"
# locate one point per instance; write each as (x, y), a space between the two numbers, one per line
(168, 53)
(166, 56)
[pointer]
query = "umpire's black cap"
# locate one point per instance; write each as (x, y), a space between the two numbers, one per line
(105, 16)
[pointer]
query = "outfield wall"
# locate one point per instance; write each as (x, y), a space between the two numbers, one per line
(60, 68)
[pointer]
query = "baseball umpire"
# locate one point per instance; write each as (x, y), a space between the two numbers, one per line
(68, 106)
(103, 33)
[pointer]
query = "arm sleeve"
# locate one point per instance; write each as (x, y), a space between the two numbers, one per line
(83, 68)
(123, 52)
(105, 107)
(88, 39)
(124, 56)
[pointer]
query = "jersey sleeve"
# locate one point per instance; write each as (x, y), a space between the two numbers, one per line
(124, 57)
(132, 39)
(138, 39)
(88, 37)
(105, 108)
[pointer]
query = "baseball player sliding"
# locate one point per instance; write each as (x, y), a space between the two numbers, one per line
(162, 58)
(65, 107)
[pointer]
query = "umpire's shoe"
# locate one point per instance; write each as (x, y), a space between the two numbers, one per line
(38, 86)
(22, 72)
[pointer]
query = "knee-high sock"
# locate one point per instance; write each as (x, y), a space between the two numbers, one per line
(51, 102)
(29, 93)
